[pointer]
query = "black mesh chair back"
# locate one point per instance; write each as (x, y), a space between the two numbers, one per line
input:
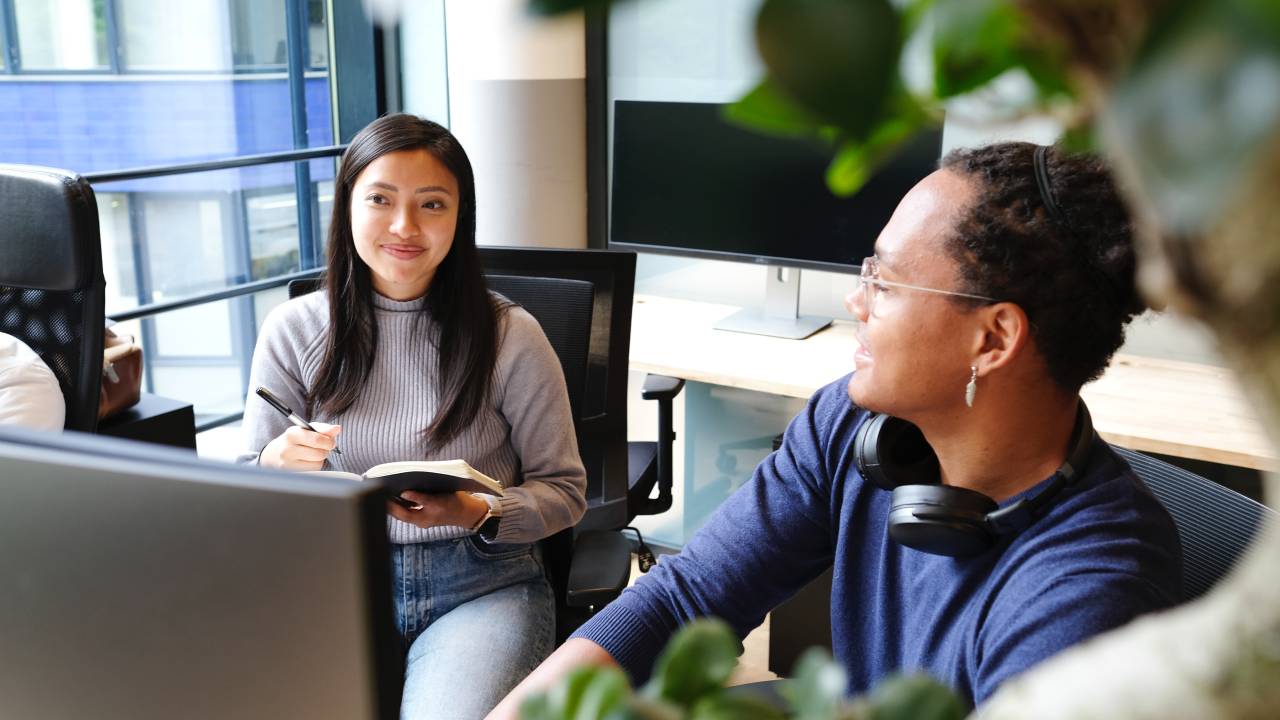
(563, 308)
(51, 284)
(1215, 523)
(601, 419)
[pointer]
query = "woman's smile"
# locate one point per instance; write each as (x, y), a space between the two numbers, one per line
(402, 251)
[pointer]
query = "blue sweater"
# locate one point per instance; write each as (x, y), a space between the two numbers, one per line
(1104, 553)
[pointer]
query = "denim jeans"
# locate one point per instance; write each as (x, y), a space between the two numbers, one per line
(476, 619)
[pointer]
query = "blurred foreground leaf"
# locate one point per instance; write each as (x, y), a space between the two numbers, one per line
(837, 58)
(587, 692)
(766, 109)
(698, 660)
(817, 690)
(857, 159)
(914, 697)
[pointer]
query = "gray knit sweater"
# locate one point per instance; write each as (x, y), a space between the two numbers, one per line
(523, 437)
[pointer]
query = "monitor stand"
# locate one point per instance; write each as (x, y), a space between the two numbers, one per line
(780, 317)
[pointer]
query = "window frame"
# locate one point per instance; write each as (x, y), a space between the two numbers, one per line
(11, 47)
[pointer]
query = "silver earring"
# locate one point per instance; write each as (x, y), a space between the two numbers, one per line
(972, 388)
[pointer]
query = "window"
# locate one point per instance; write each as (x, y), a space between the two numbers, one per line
(103, 87)
(61, 34)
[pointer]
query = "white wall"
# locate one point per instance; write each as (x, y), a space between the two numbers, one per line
(515, 95)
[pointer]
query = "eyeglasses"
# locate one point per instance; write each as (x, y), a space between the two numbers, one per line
(873, 287)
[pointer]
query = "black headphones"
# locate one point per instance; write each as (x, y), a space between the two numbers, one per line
(943, 519)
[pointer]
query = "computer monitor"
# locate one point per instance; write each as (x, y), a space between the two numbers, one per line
(688, 182)
(139, 582)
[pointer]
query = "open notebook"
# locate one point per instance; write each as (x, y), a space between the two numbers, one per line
(432, 476)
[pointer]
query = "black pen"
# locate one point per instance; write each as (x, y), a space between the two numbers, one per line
(274, 402)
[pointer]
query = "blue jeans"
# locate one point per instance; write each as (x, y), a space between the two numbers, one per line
(476, 619)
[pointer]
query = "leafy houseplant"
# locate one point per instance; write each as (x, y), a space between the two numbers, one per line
(1183, 97)
(689, 682)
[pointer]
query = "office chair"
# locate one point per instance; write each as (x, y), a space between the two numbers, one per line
(51, 283)
(627, 473)
(1215, 525)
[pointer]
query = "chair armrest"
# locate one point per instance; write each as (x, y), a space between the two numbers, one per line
(661, 387)
(600, 568)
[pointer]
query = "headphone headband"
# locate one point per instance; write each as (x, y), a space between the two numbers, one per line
(1022, 513)
(1042, 181)
(945, 519)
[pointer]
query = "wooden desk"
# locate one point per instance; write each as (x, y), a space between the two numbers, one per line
(1160, 406)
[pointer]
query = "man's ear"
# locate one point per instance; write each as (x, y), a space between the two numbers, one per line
(1000, 337)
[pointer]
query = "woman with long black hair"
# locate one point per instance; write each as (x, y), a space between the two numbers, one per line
(409, 356)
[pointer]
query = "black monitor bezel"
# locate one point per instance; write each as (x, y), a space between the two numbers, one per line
(850, 268)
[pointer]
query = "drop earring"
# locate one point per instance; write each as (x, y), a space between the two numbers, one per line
(972, 388)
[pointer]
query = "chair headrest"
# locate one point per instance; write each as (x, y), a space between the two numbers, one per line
(49, 237)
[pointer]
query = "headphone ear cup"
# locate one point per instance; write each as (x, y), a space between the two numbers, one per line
(890, 451)
(941, 519)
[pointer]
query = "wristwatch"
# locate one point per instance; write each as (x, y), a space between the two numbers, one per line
(492, 512)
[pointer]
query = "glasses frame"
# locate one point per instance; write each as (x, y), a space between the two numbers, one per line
(869, 278)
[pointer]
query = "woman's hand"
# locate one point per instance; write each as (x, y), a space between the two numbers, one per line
(457, 508)
(300, 449)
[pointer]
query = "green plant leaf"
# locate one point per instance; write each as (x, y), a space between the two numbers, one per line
(697, 661)
(767, 110)
(913, 13)
(914, 697)
(836, 58)
(1080, 139)
(641, 708)
(737, 706)
(817, 687)
(855, 160)
(974, 41)
(586, 693)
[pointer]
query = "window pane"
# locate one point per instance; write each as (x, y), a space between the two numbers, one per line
(203, 232)
(273, 233)
(117, 251)
(160, 35)
(259, 34)
(91, 124)
(62, 34)
(317, 35)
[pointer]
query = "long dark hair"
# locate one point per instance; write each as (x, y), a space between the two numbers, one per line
(466, 319)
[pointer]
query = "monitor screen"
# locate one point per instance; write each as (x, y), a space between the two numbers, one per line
(140, 582)
(687, 181)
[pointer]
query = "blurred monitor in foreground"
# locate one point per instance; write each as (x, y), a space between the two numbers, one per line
(140, 582)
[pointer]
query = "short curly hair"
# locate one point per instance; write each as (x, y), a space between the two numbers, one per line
(1072, 274)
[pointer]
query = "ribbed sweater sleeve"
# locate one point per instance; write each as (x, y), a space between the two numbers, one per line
(765, 542)
(522, 437)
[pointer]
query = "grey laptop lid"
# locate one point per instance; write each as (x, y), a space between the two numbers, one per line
(138, 582)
